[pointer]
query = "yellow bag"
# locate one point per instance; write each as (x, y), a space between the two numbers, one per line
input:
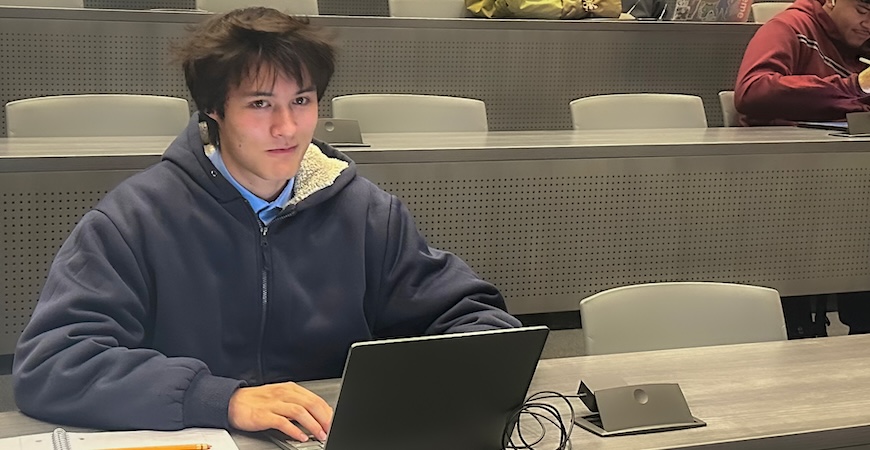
(544, 9)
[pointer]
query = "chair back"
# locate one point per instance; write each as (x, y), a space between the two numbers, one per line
(428, 8)
(730, 117)
(661, 316)
(764, 11)
(96, 115)
(395, 113)
(627, 111)
(295, 7)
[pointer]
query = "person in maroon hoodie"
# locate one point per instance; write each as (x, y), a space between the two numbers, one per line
(803, 65)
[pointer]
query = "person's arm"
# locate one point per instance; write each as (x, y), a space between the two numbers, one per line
(425, 290)
(82, 360)
(768, 89)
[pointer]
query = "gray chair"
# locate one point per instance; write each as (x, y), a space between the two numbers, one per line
(764, 11)
(730, 116)
(96, 115)
(625, 111)
(661, 316)
(296, 7)
(396, 113)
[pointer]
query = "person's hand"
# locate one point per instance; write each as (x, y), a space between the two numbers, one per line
(276, 406)
(864, 80)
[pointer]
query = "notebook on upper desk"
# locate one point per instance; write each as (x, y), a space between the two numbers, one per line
(833, 126)
(451, 391)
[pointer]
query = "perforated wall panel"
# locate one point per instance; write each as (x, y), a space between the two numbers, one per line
(335, 7)
(548, 233)
(50, 57)
(354, 7)
(526, 76)
(39, 211)
(551, 234)
(140, 4)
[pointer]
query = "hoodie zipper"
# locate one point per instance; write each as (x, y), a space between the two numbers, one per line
(264, 287)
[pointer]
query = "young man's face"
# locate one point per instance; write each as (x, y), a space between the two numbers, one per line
(267, 125)
(852, 18)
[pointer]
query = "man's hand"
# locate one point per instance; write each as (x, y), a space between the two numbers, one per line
(275, 406)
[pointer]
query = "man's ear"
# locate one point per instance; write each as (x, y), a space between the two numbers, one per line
(212, 114)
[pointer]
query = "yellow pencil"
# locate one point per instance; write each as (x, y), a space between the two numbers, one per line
(167, 447)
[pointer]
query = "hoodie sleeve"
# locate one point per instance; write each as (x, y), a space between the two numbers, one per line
(428, 291)
(82, 360)
(768, 89)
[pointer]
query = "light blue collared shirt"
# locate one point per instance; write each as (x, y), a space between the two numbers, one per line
(266, 211)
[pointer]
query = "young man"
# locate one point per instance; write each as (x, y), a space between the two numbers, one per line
(198, 291)
(803, 65)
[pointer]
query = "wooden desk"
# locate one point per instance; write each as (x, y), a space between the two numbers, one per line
(806, 394)
(802, 394)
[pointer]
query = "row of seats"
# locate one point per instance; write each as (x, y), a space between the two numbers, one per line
(123, 114)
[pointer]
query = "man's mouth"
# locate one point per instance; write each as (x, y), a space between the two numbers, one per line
(282, 150)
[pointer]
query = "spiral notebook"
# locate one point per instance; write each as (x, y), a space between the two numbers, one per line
(61, 439)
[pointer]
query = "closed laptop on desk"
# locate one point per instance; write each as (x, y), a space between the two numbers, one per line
(454, 391)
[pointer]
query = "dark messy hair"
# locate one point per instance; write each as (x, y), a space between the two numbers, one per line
(225, 49)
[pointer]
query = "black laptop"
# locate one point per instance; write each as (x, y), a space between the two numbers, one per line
(452, 391)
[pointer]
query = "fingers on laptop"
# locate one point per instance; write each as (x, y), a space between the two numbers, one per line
(277, 406)
(306, 409)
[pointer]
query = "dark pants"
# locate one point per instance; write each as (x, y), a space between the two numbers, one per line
(799, 320)
(854, 311)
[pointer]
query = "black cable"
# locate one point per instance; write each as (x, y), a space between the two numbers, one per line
(545, 415)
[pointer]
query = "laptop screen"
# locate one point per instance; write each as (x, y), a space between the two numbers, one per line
(435, 392)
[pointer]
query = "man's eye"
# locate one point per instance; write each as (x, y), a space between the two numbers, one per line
(258, 103)
(302, 101)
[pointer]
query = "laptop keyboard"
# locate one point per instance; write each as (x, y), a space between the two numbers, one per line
(291, 444)
(312, 444)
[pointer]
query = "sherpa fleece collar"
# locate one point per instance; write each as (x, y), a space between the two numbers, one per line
(316, 172)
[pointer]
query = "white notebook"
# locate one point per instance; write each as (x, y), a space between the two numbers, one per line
(65, 440)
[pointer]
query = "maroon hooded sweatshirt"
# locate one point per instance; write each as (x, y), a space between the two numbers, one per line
(797, 68)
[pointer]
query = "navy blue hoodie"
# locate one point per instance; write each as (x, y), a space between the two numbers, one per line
(170, 294)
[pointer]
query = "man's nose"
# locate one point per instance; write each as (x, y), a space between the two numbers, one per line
(283, 122)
